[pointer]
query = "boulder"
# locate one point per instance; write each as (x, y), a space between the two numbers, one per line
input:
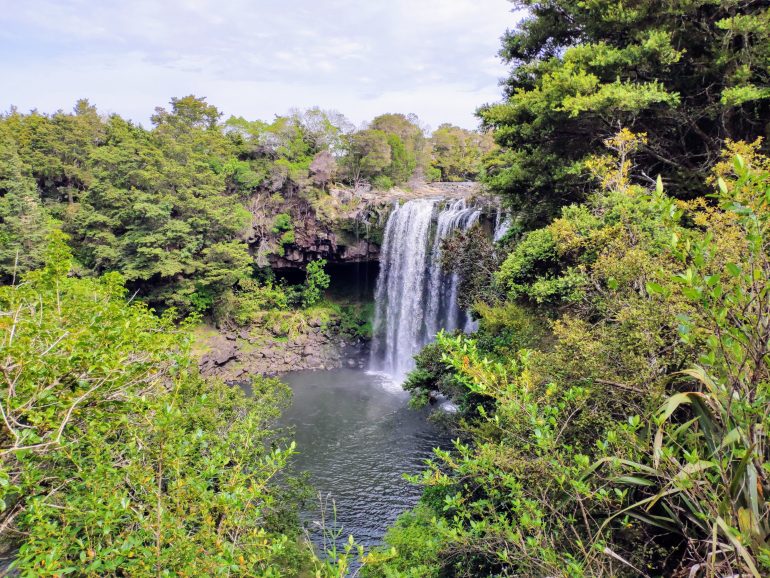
(222, 353)
(310, 349)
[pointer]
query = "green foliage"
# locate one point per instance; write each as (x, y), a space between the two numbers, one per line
(171, 207)
(55, 151)
(316, 281)
(708, 469)
(356, 320)
(592, 449)
(287, 238)
(507, 327)
(457, 154)
(243, 305)
(688, 74)
(382, 183)
(282, 222)
(117, 459)
(386, 153)
(433, 174)
(268, 303)
(407, 142)
(23, 221)
(402, 164)
(283, 226)
(430, 375)
(413, 548)
(533, 259)
(369, 154)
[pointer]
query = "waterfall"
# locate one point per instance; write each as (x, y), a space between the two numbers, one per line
(414, 298)
(502, 225)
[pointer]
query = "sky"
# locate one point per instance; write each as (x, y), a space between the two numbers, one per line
(256, 58)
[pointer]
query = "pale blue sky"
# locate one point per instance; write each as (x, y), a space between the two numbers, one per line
(255, 58)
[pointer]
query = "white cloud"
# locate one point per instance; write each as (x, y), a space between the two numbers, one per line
(256, 58)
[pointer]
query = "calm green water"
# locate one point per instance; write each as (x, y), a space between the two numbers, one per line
(356, 437)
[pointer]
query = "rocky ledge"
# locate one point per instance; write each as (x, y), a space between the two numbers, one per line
(237, 354)
(344, 226)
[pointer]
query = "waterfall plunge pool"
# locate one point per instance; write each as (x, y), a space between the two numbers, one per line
(356, 437)
(355, 433)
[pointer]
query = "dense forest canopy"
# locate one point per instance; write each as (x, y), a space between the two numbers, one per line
(166, 206)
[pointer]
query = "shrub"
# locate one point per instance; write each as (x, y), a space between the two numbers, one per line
(281, 223)
(316, 281)
(382, 183)
(432, 174)
(117, 458)
(708, 464)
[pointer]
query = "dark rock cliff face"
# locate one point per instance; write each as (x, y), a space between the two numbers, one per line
(345, 241)
(344, 226)
(328, 248)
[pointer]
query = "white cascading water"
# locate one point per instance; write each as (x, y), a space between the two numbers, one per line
(414, 298)
(502, 225)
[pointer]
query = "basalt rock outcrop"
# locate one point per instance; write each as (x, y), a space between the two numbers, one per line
(344, 226)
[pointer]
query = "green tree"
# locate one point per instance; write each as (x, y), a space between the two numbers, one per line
(368, 154)
(316, 281)
(406, 127)
(186, 113)
(458, 153)
(402, 164)
(689, 74)
(23, 221)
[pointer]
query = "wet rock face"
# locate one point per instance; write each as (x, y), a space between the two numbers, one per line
(301, 253)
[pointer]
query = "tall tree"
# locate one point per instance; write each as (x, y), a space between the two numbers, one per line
(369, 154)
(408, 130)
(457, 153)
(689, 73)
(23, 221)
